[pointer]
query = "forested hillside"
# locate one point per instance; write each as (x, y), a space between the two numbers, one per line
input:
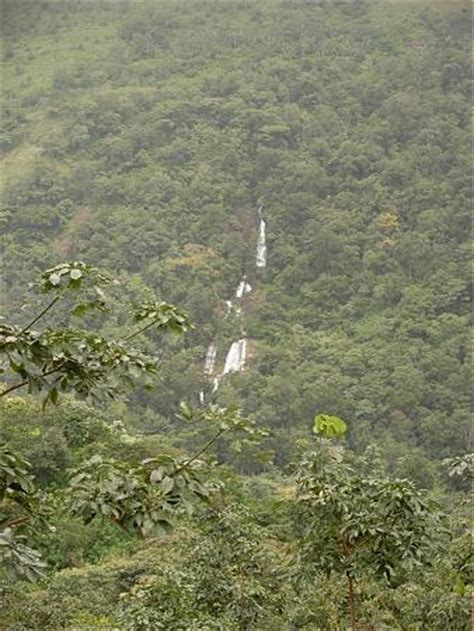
(152, 139)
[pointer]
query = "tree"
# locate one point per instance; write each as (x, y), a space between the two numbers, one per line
(17, 504)
(66, 359)
(358, 526)
(57, 360)
(145, 498)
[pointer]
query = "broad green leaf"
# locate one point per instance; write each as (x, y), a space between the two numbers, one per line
(329, 426)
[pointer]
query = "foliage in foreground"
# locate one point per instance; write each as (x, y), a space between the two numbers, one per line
(222, 570)
(143, 498)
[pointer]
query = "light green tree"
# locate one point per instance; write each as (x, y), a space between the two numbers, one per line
(355, 525)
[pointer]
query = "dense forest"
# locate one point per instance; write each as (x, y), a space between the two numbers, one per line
(235, 299)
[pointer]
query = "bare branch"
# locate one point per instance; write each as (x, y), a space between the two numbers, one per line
(40, 315)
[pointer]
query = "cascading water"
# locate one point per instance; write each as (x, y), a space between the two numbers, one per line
(236, 356)
(235, 360)
(209, 365)
(262, 245)
(243, 288)
(210, 360)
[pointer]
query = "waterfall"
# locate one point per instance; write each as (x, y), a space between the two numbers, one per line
(236, 356)
(261, 245)
(201, 397)
(210, 360)
(235, 360)
(243, 288)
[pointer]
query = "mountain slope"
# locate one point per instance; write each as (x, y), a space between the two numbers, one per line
(140, 137)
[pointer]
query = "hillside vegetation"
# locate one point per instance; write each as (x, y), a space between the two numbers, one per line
(142, 138)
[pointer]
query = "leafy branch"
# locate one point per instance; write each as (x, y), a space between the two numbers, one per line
(84, 363)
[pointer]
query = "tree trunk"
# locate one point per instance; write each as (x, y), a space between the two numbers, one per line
(351, 600)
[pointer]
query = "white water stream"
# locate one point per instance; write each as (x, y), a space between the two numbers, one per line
(235, 360)
(262, 245)
(236, 356)
(210, 361)
(243, 288)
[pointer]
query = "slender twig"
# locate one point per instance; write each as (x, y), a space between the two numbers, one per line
(351, 599)
(144, 328)
(186, 464)
(25, 382)
(15, 387)
(17, 521)
(40, 315)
